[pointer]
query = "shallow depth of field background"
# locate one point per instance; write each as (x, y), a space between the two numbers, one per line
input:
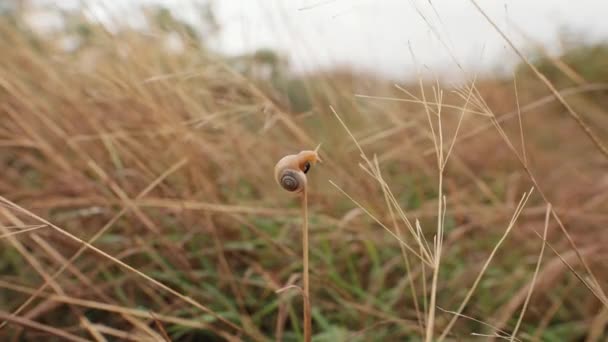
(151, 129)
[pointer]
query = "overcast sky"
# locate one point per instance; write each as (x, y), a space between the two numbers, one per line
(376, 34)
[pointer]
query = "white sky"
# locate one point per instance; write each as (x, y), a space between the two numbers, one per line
(374, 34)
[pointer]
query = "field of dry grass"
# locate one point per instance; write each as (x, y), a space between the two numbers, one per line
(138, 199)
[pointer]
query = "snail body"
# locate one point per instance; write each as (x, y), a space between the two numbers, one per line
(290, 171)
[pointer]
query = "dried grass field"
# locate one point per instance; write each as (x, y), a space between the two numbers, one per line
(139, 201)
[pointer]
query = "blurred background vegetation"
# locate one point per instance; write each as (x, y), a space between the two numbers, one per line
(167, 148)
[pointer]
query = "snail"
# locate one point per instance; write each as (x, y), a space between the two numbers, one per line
(290, 174)
(290, 171)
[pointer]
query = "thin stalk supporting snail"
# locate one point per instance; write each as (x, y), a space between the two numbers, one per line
(290, 174)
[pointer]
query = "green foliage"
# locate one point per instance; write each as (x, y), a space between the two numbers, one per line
(587, 60)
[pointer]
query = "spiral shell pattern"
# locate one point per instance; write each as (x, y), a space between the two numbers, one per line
(292, 180)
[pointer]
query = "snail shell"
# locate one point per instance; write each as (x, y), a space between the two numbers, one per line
(293, 181)
(290, 171)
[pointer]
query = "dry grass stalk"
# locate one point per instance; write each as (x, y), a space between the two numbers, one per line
(290, 174)
(533, 282)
